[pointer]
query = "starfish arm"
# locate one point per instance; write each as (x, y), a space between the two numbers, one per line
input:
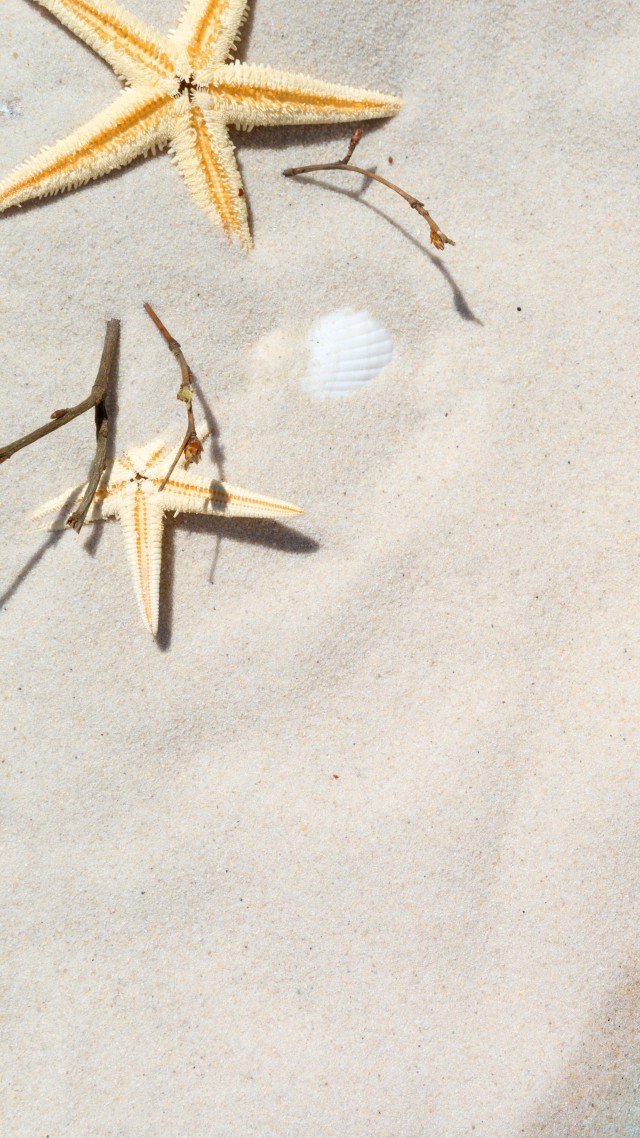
(133, 50)
(161, 451)
(251, 96)
(65, 504)
(185, 493)
(203, 430)
(137, 121)
(204, 155)
(209, 29)
(141, 517)
(144, 457)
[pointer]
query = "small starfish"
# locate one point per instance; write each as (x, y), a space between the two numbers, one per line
(181, 92)
(132, 495)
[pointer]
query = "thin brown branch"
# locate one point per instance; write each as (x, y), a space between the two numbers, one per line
(77, 520)
(102, 424)
(173, 345)
(96, 396)
(190, 446)
(355, 140)
(438, 238)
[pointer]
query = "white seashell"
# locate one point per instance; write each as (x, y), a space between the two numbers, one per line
(348, 350)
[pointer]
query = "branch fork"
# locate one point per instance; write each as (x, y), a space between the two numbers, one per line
(97, 399)
(437, 237)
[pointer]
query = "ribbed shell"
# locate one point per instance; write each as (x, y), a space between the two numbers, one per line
(348, 349)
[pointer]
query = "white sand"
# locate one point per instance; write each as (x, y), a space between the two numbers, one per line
(208, 934)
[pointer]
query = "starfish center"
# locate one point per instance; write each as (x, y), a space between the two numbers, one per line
(140, 483)
(187, 87)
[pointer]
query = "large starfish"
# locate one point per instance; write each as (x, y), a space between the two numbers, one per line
(132, 495)
(181, 92)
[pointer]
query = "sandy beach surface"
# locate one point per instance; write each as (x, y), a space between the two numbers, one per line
(351, 851)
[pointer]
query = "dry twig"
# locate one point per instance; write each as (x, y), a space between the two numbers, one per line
(438, 238)
(96, 398)
(190, 446)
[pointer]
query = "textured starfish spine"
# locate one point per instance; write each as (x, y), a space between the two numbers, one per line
(210, 29)
(132, 495)
(137, 122)
(204, 155)
(251, 96)
(183, 93)
(141, 516)
(218, 499)
(134, 51)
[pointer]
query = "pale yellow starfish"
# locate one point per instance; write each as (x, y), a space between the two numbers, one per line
(132, 495)
(181, 92)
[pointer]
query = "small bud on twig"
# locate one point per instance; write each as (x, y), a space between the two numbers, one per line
(356, 137)
(190, 447)
(193, 450)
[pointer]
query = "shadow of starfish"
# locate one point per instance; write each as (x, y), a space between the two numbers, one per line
(270, 534)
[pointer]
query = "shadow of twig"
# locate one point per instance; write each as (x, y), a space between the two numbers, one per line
(52, 539)
(459, 300)
(19, 579)
(217, 450)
